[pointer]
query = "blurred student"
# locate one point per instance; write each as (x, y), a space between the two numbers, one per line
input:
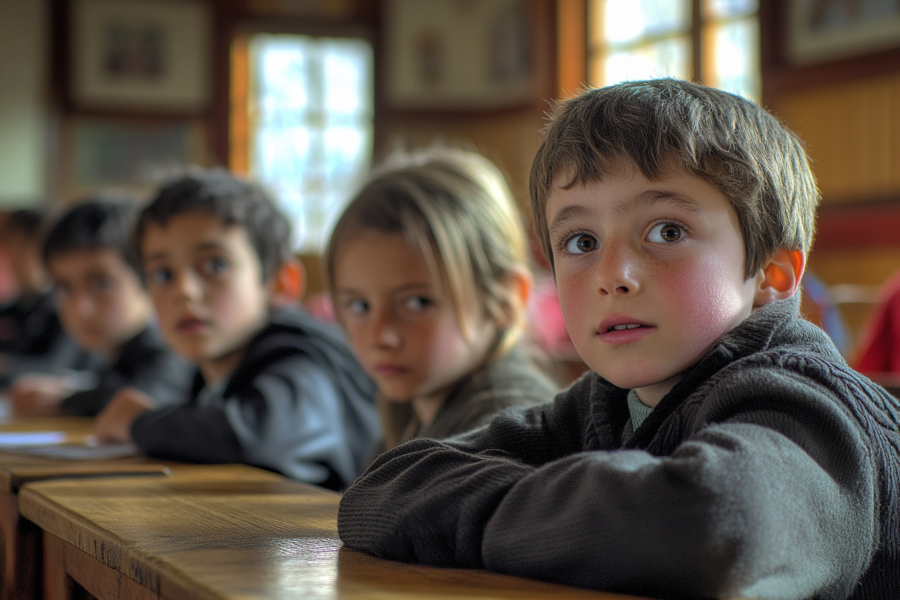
(32, 338)
(104, 307)
(429, 275)
(273, 387)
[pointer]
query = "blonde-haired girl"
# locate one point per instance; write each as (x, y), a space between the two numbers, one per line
(428, 272)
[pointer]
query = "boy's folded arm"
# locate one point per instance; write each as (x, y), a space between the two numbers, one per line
(426, 502)
(752, 505)
(533, 435)
(187, 433)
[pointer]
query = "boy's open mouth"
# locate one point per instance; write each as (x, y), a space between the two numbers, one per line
(624, 327)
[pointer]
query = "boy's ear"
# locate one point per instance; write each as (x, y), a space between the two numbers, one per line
(288, 284)
(779, 278)
(519, 285)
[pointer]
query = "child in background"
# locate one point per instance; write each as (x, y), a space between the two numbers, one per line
(429, 277)
(32, 338)
(273, 387)
(104, 307)
(721, 448)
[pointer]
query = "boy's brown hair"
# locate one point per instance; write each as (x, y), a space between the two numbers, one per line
(728, 141)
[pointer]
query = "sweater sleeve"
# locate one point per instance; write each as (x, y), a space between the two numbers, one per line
(774, 500)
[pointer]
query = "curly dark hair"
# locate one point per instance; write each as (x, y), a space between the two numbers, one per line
(235, 201)
(94, 225)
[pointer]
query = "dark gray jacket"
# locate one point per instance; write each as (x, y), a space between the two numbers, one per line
(144, 362)
(297, 403)
(771, 470)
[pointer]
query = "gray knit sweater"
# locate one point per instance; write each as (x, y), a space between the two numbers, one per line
(771, 470)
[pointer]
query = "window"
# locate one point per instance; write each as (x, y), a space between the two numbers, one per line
(712, 41)
(302, 110)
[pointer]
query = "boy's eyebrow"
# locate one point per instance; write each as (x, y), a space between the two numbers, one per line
(569, 213)
(651, 197)
(162, 254)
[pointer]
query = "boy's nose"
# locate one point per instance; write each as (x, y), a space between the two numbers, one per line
(617, 271)
(187, 284)
(84, 305)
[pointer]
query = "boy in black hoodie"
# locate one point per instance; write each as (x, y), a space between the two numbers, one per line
(274, 387)
(103, 306)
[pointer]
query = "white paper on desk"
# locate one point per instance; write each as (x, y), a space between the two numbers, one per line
(31, 438)
(82, 451)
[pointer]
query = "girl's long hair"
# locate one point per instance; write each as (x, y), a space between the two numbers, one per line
(455, 208)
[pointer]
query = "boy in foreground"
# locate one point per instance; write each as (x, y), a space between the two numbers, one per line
(721, 447)
(274, 387)
(103, 306)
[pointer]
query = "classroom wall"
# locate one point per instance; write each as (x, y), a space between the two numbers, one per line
(847, 110)
(24, 43)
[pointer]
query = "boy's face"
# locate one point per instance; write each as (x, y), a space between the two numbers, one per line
(100, 299)
(402, 324)
(206, 282)
(650, 274)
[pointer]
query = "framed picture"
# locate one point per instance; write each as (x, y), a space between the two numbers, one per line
(132, 154)
(140, 55)
(820, 30)
(458, 54)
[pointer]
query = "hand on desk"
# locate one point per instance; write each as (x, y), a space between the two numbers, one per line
(37, 394)
(113, 424)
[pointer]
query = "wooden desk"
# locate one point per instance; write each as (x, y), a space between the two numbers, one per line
(227, 532)
(20, 540)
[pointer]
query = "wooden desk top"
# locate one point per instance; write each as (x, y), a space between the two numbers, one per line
(232, 531)
(18, 469)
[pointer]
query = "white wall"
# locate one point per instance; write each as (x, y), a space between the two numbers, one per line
(24, 45)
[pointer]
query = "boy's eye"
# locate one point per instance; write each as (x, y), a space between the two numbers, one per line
(418, 303)
(101, 284)
(581, 244)
(665, 232)
(159, 276)
(214, 265)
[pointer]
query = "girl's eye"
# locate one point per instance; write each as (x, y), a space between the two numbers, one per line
(665, 232)
(159, 276)
(417, 303)
(357, 307)
(215, 265)
(580, 244)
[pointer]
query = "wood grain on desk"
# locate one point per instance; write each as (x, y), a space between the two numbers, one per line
(20, 541)
(231, 531)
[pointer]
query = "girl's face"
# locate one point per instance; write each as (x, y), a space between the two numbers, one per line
(402, 323)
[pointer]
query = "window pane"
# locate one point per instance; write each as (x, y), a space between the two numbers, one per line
(628, 21)
(311, 115)
(736, 58)
(669, 58)
(718, 9)
(346, 84)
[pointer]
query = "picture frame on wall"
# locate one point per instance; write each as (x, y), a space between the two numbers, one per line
(823, 30)
(430, 65)
(134, 154)
(140, 55)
